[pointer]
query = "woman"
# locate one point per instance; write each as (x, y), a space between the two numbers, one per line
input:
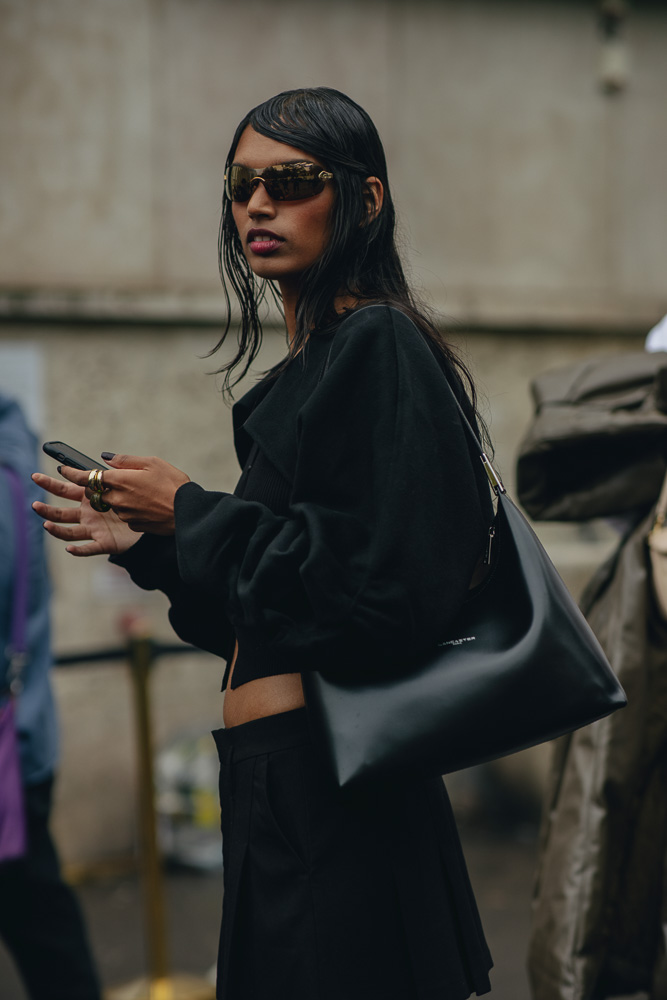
(349, 543)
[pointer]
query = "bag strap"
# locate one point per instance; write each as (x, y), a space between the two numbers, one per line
(493, 477)
(17, 648)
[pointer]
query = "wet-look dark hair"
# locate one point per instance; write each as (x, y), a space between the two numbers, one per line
(361, 258)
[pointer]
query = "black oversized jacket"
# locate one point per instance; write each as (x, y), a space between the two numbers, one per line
(388, 510)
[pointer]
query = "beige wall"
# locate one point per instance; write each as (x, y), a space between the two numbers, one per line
(529, 201)
(526, 194)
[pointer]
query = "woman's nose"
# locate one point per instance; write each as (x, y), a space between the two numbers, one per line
(260, 202)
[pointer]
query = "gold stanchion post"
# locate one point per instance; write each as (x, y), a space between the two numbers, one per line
(160, 984)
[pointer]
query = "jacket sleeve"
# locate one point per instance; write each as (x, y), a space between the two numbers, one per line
(385, 521)
(197, 617)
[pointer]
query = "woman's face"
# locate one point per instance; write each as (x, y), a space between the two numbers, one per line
(280, 239)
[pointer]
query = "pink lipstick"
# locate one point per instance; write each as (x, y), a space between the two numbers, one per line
(263, 241)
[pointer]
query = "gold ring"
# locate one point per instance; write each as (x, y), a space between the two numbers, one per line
(95, 481)
(98, 504)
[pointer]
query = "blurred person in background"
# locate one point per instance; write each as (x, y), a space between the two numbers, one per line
(40, 919)
(350, 542)
(597, 448)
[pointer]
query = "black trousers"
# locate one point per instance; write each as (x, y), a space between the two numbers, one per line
(330, 894)
(40, 920)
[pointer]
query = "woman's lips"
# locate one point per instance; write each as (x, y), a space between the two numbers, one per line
(263, 241)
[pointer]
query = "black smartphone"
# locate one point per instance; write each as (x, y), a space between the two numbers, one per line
(66, 455)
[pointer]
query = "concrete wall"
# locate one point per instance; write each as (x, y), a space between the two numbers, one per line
(526, 193)
(532, 209)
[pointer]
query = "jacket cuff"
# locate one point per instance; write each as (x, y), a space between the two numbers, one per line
(151, 562)
(201, 522)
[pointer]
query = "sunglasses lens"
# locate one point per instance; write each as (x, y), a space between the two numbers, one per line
(293, 181)
(283, 182)
(238, 183)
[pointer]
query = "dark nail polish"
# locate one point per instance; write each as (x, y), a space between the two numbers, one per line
(108, 455)
(60, 470)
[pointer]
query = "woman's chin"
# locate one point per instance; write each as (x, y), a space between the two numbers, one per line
(274, 270)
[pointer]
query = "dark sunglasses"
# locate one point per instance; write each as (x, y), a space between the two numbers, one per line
(282, 181)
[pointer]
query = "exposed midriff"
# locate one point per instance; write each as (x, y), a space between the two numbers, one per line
(261, 697)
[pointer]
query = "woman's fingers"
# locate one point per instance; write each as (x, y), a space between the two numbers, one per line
(64, 515)
(68, 491)
(77, 476)
(140, 491)
(115, 477)
(100, 533)
(129, 461)
(89, 549)
(76, 533)
(81, 477)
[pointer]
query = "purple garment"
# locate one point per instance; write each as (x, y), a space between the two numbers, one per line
(12, 813)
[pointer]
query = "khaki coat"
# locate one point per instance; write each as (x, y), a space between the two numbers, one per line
(599, 914)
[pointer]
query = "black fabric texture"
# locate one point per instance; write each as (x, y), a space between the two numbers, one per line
(197, 616)
(332, 894)
(356, 525)
(387, 513)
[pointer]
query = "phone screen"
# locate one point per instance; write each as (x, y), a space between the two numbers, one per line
(70, 456)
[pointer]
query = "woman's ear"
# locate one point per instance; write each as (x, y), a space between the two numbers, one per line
(373, 197)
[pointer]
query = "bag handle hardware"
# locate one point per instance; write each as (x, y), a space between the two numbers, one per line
(493, 477)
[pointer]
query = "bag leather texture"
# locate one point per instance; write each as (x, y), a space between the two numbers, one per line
(520, 666)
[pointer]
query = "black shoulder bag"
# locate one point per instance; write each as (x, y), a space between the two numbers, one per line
(519, 666)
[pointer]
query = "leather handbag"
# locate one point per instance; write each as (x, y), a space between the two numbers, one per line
(519, 666)
(657, 547)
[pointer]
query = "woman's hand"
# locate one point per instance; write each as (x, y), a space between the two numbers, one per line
(140, 491)
(141, 494)
(101, 534)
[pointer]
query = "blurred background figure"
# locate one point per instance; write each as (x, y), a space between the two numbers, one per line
(597, 448)
(40, 920)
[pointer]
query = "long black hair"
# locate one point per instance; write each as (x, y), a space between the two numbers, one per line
(361, 259)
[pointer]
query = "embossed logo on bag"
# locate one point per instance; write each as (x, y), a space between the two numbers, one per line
(458, 642)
